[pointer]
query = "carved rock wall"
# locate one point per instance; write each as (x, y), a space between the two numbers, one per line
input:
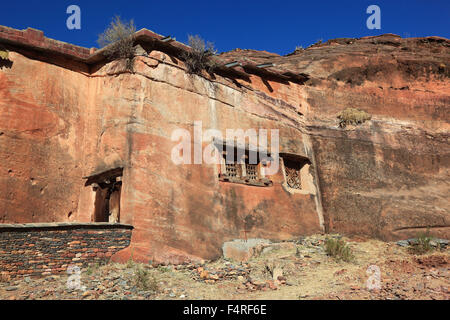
(60, 125)
(62, 120)
(387, 178)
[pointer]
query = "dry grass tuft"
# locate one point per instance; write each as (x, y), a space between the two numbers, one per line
(4, 54)
(144, 281)
(352, 116)
(4, 277)
(338, 249)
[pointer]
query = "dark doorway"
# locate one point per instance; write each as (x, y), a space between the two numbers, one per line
(107, 187)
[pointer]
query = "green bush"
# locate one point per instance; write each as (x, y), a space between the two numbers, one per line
(163, 269)
(338, 249)
(422, 244)
(352, 116)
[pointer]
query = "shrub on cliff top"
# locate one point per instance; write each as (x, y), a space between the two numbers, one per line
(199, 57)
(352, 116)
(3, 54)
(117, 41)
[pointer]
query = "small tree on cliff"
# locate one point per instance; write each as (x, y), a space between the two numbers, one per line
(199, 57)
(117, 41)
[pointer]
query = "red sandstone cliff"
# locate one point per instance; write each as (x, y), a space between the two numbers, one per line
(66, 113)
(389, 177)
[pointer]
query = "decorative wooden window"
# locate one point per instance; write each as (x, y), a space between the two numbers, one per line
(293, 177)
(242, 171)
(233, 170)
(251, 171)
(297, 177)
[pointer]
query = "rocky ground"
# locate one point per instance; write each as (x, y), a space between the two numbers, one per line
(287, 270)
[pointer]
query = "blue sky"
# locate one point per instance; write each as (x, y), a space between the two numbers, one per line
(276, 26)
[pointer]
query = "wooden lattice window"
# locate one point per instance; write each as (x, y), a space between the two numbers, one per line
(242, 166)
(251, 171)
(292, 171)
(232, 169)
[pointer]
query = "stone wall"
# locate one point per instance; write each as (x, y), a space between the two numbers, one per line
(39, 249)
(35, 38)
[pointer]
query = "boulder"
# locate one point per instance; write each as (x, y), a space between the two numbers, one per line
(242, 250)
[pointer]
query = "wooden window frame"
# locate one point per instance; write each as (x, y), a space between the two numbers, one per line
(301, 163)
(241, 172)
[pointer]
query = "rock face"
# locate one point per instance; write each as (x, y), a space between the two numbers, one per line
(387, 178)
(67, 114)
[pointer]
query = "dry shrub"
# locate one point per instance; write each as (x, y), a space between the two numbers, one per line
(130, 263)
(95, 267)
(4, 54)
(318, 42)
(92, 268)
(117, 41)
(353, 116)
(144, 281)
(338, 249)
(199, 57)
(4, 277)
